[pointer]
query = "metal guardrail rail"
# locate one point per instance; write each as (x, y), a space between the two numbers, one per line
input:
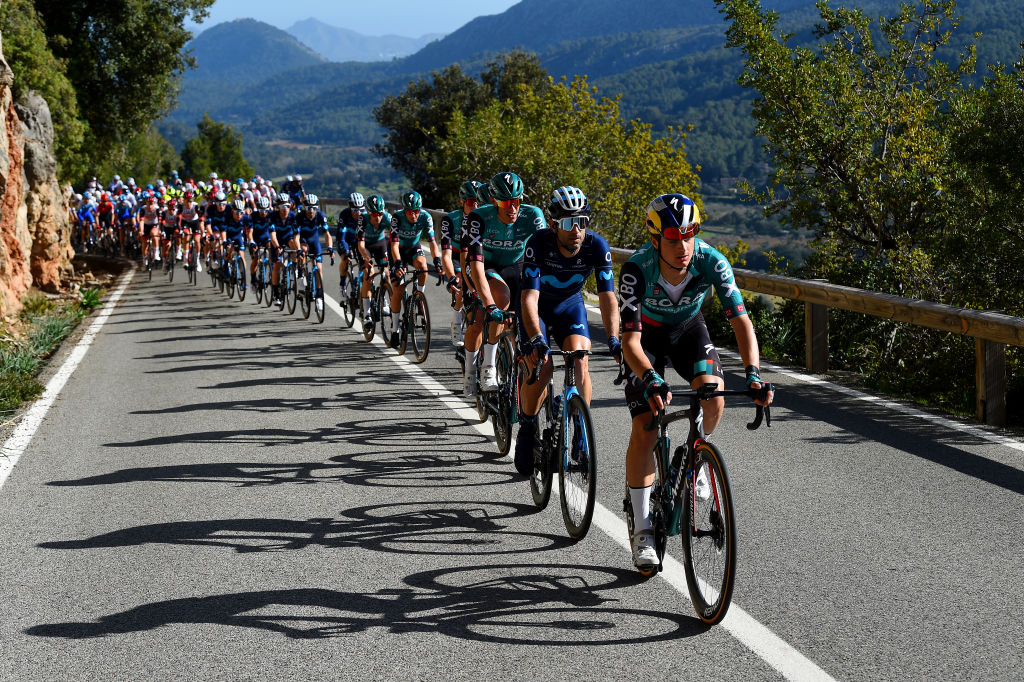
(992, 331)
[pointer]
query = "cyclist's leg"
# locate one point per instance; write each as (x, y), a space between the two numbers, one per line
(696, 359)
(572, 332)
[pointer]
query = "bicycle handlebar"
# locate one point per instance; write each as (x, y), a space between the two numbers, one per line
(708, 391)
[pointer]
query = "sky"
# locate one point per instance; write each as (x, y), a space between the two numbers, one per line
(412, 18)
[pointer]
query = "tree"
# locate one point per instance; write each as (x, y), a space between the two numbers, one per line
(148, 156)
(124, 59)
(414, 119)
(215, 148)
(563, 135)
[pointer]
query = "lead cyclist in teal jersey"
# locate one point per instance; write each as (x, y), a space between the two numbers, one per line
(661, 288)
(494, 240)
(408, 228)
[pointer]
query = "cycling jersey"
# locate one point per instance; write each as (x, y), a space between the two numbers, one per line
(451, 230)
(408, 235)
(555, 275)
(149, 216)
(349, 223)
(261, 227)
(190, 213)
(233, 228)
(488, 239)
(311, 227)
(87, 213)
(371, 234)
(645, 298)
(215, 217)
(284, 227)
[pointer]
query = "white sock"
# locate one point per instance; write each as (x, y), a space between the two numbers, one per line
(366, 305)
(458, 317)
(470, 360)
(641, 500)
(490, 354)
(395, 319)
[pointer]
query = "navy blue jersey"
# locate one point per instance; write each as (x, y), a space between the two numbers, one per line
(233, 226)
(260, 226)
(310, 227)
(284, 227)
(545, 268)
(215, 218)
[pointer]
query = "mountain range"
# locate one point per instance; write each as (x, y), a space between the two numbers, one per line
(345, 45)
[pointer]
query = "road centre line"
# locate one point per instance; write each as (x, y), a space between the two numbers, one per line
(945, 422)
(768, 646)
(15, 446)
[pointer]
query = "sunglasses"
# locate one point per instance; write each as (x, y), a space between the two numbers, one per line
(509, 203)
(570, 224)
(679, 234)
(376, 213)
(222, 204)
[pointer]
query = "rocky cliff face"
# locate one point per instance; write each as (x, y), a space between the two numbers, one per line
(34, 227)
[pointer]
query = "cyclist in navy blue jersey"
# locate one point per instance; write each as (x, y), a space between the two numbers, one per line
(234, 229)
(312, 223)
(260, 223)
(557, 263)
(350, 221)
(283, 234)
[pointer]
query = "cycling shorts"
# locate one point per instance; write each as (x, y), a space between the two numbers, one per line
(168, 230)
(511, 275)
(191, 226)
(238, 240)
(560, 318)
(106, 219)
(313, 247)
(409, 255)
(261, 237)
(687, 346)
(378, 251)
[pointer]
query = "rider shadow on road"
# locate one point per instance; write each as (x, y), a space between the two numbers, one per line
(543, 605)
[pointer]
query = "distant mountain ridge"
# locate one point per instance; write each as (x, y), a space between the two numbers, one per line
(248, 51)
(344, 45)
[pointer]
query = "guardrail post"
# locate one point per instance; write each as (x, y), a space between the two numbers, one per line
(990, 381)
(816, 336)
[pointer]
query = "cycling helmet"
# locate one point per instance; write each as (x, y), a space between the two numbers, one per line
(87, 194)
(189, 194)
(356, 200)
(290, 178)
(483, 193)
(263, 204)
(213, 176)
(131, 182)
(312, 201)
(468, 190)
(238, 205)
(221, 197)
(506, 185)
(202, 185)
(159, 183)
(568, 202)
(412, 201)
(283, 200)
(104, 197)
(171, 203)
(298, 178)
(117, 178)
(674, 216)
(375, 204)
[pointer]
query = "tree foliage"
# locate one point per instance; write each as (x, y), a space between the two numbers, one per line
(215, 148)
(564, 135)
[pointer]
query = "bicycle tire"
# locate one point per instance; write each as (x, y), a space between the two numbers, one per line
(318, 296)
(305, 296)
(577, 473)
(221, 275)
(542, 476)
(404, 321)
(268, 287)
(502, 419)
(291, 292)
(241, 274)
(419, 326)
(386, 322)
(348, 302)
(369, 330)
(170, 264)
(710, 552)
(257, 289)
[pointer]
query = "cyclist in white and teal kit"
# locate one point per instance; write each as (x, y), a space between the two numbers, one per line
(494, 240)
(661, 289)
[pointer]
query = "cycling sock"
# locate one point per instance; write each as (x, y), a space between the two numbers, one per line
(395, 319)
(641, 501)
(458, 316)
(490, 351)
(366, 305)
(470, 360)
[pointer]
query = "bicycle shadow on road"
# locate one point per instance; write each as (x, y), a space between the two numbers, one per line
(543, 605)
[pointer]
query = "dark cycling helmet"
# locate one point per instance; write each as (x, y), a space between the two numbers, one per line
(674, 216)
(238, 205)
(506, 185)
(468, 190)
(375, 204)
(412, 201)
(356, 200)
(483, 193)
(568, 202)
(263, 204)
(283, 200)
(312, 201)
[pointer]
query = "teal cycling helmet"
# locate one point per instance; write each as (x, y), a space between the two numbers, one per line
(412, 201)
(375, 204)
(468, 190)
(506, 185)
(483, 193)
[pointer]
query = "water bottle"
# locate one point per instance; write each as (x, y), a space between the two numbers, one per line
(702, 488)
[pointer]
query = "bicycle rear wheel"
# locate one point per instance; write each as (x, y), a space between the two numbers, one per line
(419, 325)
(349, 300)
(241, 274)
(709, 535)
(257, 289)
(540, 479)
(318, 296)
(577, 470)
(370, 329)
(229, 276)
(306, 294)
(507, 394)
(291, 292)
(384, 306)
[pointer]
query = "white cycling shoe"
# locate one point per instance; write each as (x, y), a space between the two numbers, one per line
(456, 330)
(489, 379)
(645, 557)
(469, 386)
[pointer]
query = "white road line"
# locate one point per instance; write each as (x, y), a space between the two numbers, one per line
(945, 422)
(14, 447)
(771, 648)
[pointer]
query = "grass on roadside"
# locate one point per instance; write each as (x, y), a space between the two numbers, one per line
(43, 324)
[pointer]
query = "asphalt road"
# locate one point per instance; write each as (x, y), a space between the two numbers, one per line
(222, 491)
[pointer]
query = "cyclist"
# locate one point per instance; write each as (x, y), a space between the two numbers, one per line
(556, 264)
(105, 216)
(283, 232)
(494, 241)
(349, 222)
(661, 289)
(149, 225)
(216, 215)
(170, 222)
(407, 229)
(451, 230)
(233, 232)
(371, 240)
(125, 221)
(312, 223)
(259, 233)
(190, 223)
(86, 219)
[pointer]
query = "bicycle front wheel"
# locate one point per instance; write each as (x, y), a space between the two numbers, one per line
(386, 322)
(540, 479)
(306, 294)
(349, 301)
(577, 469)
(709, 535)
(419, 325)
(507, 394)
(240, 274)
(291, 292)
(318, 296)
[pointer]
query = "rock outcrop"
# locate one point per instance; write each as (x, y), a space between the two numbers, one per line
(34, 228)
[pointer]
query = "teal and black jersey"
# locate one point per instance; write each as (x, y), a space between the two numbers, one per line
(486, 238)
(371, 234)
(451, 230)
(409, 235)
(646, 299)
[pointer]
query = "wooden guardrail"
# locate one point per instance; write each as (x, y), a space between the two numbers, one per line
(991, 331)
